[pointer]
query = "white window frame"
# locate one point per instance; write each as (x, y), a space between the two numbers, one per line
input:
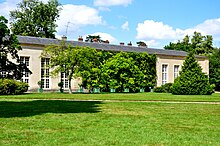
(26, 75)
(176, 72)
(45, 73)
(164, 74)
(65, 80)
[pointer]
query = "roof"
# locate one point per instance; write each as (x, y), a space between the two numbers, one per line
(102, 46)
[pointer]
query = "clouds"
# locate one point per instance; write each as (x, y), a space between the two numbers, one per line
(211, 26)
(153, 31)
(76, 16)
(107, 3)
(125, 26)
(7, 6)
(97, 16)
(150, 29)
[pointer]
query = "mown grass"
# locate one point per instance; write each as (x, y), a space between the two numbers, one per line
(57, 122)
(118, 96)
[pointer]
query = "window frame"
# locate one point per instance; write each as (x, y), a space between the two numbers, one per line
(176, 73)
(45, 73)
(164, 74)
(26, 75)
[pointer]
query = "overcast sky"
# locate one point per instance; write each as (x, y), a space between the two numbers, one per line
(156, 22)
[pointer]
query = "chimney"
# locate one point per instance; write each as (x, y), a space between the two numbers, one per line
(95, 40)
(130, 44)
(122, 43)
(107, 41)
(80, 38)
(64, 38)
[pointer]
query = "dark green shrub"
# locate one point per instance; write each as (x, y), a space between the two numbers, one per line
(166, 88)
(192, 81)
(12, 87)
(158, 89)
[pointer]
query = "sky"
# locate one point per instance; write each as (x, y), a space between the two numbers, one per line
(156, 22)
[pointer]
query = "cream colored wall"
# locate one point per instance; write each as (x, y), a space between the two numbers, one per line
(173, 60)
(35, 66)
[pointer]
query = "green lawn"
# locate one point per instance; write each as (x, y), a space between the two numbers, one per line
(66, 122)
(118, 96)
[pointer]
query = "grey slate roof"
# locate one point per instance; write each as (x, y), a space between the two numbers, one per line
(101, 46)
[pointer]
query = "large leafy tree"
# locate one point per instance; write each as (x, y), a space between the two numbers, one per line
(9, 46)
(192, 81)
(35, 18)
(70, 60)
(198, 44)
(120, 72)
(129, 70)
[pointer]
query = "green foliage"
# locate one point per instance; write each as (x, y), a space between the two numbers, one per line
(214, 69)
(192, 81)
(78, 61)
(158, 90)
(35, 18)
(60, 84)
(141, 44)
(200, 45)
(40, 83)
(129, 70)
(121, 67)
(101, 69)
(9, 45)
(12, 87)
(93, 38)
(166, 88)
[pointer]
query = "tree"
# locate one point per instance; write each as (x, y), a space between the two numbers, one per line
(70, 60)
(93, 38)
(200, 45)
(141, 44)
(34, 18)
(128, 70)
(214, 69)
(192, 81)
(9, 45)
(122, 69)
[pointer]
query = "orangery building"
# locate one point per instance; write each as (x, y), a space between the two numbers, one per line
(168, 62)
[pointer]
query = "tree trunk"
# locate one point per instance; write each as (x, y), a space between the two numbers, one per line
(70, 78)
(70, 89)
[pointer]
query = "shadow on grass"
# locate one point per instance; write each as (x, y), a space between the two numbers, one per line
(9, 109)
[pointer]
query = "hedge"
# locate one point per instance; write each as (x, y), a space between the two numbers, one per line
(12, 87)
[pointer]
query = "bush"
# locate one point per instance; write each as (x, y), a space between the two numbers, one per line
(158, 89)
(192, 81)
(166, 88)
(12, 87)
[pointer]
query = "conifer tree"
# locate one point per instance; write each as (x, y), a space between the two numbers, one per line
(192, 81)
